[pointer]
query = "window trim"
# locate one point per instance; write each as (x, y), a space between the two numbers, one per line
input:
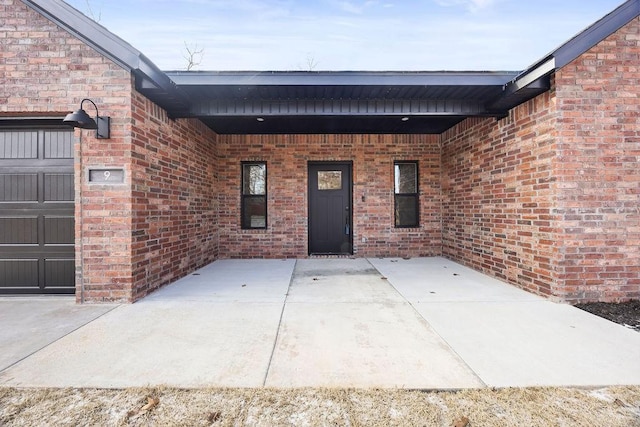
(244, 197)
(416, 195)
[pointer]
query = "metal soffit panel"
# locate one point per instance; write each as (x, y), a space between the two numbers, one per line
(339, 102)
(349, 124)
(358, 92)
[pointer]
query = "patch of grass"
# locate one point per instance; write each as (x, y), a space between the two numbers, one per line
(611, 406)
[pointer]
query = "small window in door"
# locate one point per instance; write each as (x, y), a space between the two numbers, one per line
(406, 206)
(329, 180)
(254, 195)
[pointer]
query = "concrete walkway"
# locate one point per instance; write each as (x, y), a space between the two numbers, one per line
(418, 323)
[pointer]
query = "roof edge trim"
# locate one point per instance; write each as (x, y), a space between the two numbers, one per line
(339, 78)
(569, 51)
(596, 32)
(542, 69)
(586, 39)
(102, 40)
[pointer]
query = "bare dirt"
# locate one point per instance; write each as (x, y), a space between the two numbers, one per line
(612, 406)
(625, 313)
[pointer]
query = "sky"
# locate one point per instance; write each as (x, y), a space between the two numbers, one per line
(346, 35)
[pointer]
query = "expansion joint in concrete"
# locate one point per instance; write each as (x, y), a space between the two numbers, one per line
(275, 340)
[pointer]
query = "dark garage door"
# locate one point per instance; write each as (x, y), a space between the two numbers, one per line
(36, 211)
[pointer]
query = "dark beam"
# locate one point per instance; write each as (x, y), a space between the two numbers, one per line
(516, 94)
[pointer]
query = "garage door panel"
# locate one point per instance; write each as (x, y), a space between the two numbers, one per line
(59, 230)
(58, 145)
(18, 187)
(19, 144)
(37, 231)
(19, 231)
(19, 273)
(59, 272)
(58, 187)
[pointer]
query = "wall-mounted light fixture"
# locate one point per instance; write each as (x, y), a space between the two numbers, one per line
(80, 119)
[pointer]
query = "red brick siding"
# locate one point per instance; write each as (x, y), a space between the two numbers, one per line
(547, 198)
(45, 70)
(598, 170)
(287, 157)
(498, 195)
(160, 224)
(48, 71)
(174, 227)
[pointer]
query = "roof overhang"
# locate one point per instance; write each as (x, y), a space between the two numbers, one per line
(332, 102)
(340, 102)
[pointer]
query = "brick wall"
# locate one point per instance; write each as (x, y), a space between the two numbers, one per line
(49, 71)
(287, 157)
(598, 170)
(174, 196)
(157, 226)
(498, 195)
(548, 199)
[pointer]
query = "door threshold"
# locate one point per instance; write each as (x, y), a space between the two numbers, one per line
(331, 256)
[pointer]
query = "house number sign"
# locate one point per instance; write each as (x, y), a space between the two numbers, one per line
(106, 176)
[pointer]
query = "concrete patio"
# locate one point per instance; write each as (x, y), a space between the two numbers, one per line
(425, 323)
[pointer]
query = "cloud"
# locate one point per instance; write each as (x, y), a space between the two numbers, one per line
(471, 5)
(350, 7)
(356, 8)
(348, 34)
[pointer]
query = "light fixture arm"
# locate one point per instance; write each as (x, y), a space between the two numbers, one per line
(92, 103)
(80, 119)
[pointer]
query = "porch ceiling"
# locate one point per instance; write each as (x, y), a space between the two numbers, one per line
(341, 102)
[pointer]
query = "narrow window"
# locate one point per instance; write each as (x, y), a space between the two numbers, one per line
(406, 204)
(254, 195)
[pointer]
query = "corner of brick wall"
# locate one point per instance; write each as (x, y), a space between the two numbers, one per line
(498, 195)
(548, 199)
(597, 169)
(174, 194)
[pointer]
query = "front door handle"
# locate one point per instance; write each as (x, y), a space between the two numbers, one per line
(346, 222)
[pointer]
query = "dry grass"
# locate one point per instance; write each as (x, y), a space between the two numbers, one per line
(612, 406)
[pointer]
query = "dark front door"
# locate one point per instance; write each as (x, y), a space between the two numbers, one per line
(36, 211)
(330, 208)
